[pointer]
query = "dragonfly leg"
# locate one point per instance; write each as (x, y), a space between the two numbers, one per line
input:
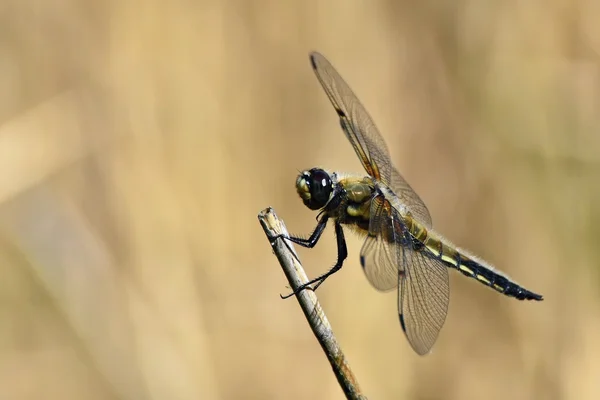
(342, 255)
(314, 237)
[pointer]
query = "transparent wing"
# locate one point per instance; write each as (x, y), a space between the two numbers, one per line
(355, 120)
(381, 252)
(364, 136)
(410, 198)
(423, 298)
(391, 258)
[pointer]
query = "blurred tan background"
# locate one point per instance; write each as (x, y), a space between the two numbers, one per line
(139, 140)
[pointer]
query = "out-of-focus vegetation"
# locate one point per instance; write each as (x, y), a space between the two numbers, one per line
(139, 140)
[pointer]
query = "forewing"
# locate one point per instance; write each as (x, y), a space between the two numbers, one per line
(381, 253)
(423, 298)
(364, 136)
(355, 120)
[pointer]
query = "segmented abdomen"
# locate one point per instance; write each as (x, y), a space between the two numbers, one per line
(468, 266)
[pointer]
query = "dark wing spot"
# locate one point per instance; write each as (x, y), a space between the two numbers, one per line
(313, 62)
(340, 113)
(402, 323)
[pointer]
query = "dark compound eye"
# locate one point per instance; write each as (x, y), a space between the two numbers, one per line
(320, 188)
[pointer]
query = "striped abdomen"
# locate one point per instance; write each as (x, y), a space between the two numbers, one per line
(455, 258)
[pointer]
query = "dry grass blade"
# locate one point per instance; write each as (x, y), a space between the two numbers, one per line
(309, 303)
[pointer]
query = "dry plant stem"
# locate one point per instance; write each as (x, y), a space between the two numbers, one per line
(309, 303)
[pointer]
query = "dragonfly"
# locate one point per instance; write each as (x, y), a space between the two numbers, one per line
(401, 250)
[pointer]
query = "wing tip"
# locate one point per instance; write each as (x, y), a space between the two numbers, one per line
(422, 349)
(402, 323)
(313, 62)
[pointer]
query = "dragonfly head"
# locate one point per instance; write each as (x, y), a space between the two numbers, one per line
(314, 188)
